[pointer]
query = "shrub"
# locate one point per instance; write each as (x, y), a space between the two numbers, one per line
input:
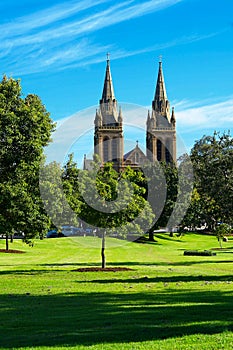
(199, 253)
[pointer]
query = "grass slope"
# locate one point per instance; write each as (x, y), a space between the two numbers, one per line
(167, 301)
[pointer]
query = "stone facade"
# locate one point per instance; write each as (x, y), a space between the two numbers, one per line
(161, 126)
(160, 129)
(108, 137)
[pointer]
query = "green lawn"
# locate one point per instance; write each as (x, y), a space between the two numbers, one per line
(167, 300)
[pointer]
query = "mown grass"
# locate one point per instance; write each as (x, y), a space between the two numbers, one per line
(167, 300)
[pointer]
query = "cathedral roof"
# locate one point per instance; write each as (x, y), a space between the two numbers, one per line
(131, 156)
(108, 91)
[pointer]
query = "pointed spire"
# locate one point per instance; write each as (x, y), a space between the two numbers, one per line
(84, 162)
(173, 118)
(120, 116)
(108, 91)
(98, 118)
(160, 92)
(148, 120)
(160, 103)
(153, 120)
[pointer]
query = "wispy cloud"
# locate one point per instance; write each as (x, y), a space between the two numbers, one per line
(193, 120)
(61, 34)
(64, 36)
(120, 53)
(199, 115)
(46, 17)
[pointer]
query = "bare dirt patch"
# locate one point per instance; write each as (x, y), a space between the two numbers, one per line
(106, 269)
(11, 251)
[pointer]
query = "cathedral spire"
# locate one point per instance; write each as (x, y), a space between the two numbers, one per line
(160, 92)
(120, 117)
(160, 103)
(98, 118)
(108, 91)
(148, 119)
(173, 118)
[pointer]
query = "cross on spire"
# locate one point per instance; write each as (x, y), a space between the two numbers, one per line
(160, 98)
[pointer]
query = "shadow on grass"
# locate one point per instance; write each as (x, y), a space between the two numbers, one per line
(28, 272)
(168, 238)
(203, 260)
(90, 318)
(168, 279)
(50, 268)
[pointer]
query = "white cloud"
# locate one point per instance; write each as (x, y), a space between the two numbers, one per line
(46, 17)
(199, 115)
(57, 36)
(119, 53)
(193, 118)
(62, 36)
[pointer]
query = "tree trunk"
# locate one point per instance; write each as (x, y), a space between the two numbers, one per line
(12, 240)
(7, 242)
(220, 242)
(103, 250)
(151, 236)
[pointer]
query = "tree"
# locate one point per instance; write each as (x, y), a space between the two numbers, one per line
(112, 202)
(171, 177)
(59, 188)
(194, 216)
(212, 158)
(25, 128)
(154, 181)
(221, 231)
(172, 188)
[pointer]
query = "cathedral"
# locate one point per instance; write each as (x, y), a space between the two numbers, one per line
(109, 136)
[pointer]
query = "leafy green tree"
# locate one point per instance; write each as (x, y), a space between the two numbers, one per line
(114, 202)
(212, 159)
(70, 182)
(221, 231)
(156, 192)
(171, 176)
(58, 195)
(172, 188)
(25, 128)
(194, 216)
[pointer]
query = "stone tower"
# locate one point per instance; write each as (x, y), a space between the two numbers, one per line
(108, 136)
(161, 126)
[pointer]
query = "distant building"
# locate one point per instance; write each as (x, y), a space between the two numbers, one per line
(109, 137)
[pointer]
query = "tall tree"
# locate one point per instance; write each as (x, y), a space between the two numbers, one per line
(25, 128)
(114, 202)
(212, 158)
(171, 176)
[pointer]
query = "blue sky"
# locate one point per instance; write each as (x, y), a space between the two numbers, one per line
(58, 50)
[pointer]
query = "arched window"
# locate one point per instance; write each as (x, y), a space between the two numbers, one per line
(114, 148)
(105, 149)
(136, 157)
(159, 150)
(167, 152)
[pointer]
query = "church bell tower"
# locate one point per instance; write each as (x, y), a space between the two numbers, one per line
(161, 126)
(108, 135)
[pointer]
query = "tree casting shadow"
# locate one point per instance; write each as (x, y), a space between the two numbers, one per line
(168, 279)
(89, 318)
